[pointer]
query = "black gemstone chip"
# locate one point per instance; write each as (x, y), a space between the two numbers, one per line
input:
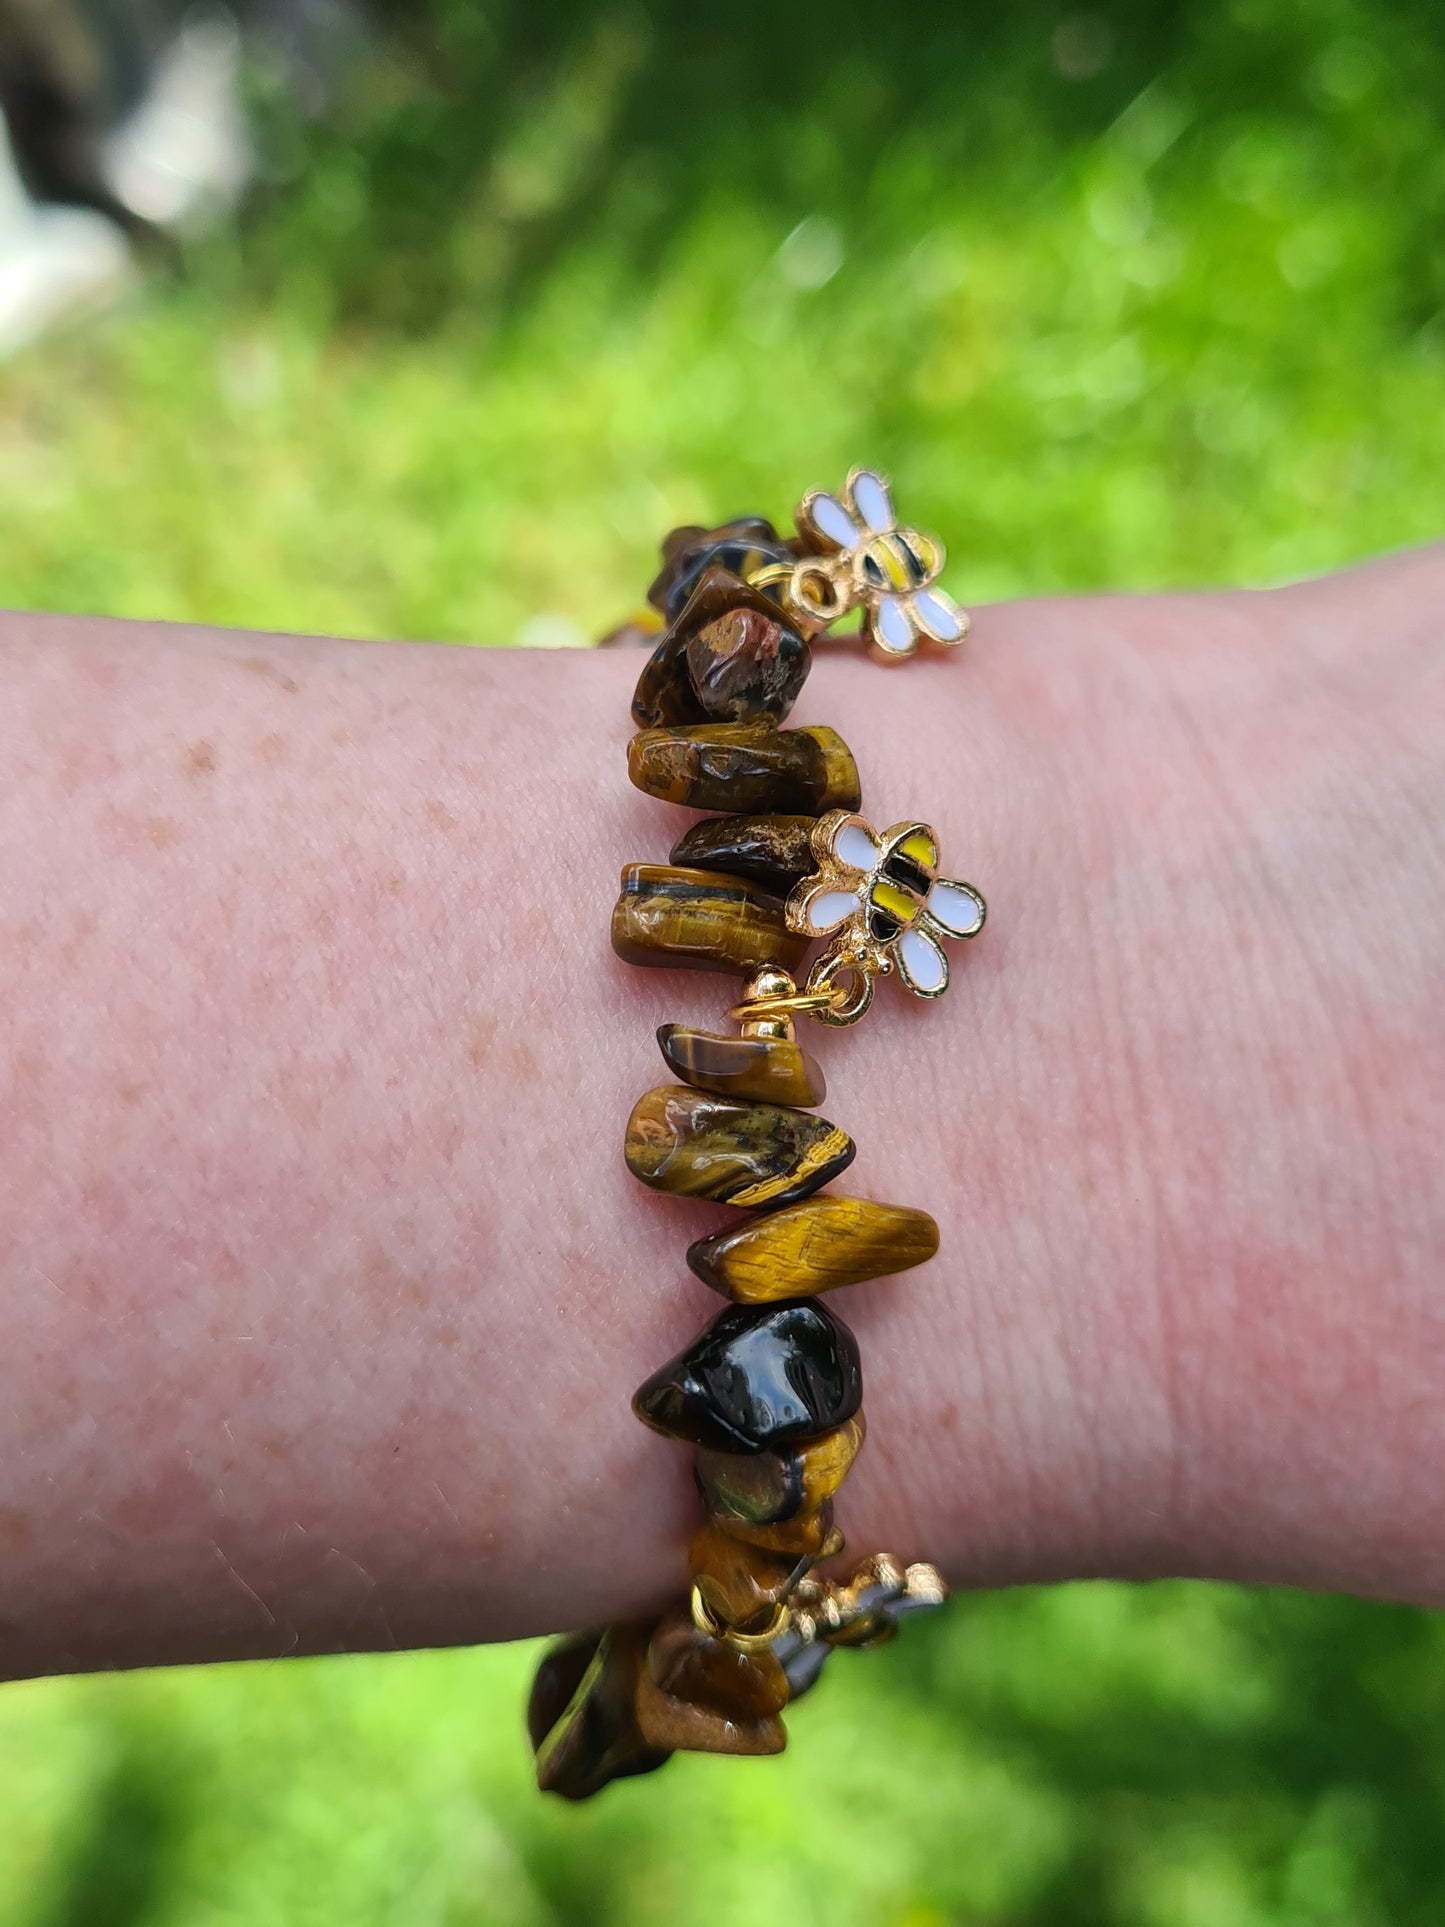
(760, 1376)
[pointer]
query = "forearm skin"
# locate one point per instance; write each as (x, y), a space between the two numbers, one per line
(325, 1288)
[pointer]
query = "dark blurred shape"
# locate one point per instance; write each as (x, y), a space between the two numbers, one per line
(126, 126)
(115, 1874)
(53, 92)
(133, 107)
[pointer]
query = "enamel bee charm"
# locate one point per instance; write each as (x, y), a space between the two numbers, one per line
(866, 560)
(876, 900)
(881, 901)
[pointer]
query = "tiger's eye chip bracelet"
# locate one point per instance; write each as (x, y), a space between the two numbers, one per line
(769, 1398)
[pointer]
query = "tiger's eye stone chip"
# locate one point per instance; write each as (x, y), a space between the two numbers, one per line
(771, 850)
(739, 1582)
(746, 767)
(581, 1716)
(670, 1725)
(750, 668)
(746, 666)
(710, 1673)
(697, 1145)
(774, 1069)
(740, 548)
(760, 1377)
(557, 1678)
(669, 917)
(814, 1246)
(809, 1535)
(742, 667)
(766, 1487)
(664, 692)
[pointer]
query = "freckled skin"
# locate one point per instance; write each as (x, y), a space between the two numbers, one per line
(325, 1286)
(271, 672)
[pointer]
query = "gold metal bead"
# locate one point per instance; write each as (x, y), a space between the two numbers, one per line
(762, 991)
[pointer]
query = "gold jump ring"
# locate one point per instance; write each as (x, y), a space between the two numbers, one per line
(783, 1005)
(842, 1005)
(707, 1622)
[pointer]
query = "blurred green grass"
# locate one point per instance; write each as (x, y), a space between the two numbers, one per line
(1148, 296)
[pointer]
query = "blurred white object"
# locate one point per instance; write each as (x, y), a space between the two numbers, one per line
(124, 123)
(54, 260)
(184, 152)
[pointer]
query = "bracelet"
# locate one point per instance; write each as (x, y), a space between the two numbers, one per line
(769, 1396)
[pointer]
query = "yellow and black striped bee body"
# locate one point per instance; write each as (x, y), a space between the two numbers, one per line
(880, 896)
(897, 560)
(892, 570)
(901, 883)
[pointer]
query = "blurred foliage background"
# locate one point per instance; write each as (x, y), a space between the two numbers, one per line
(1145, 296)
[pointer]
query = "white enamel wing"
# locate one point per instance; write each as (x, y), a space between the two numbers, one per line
(881, 897)
(894, 570)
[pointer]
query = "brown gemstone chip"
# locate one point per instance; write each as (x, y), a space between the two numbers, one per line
(811, 1535)
(771, 1068)
(814, 1246)
(669, 1725)
(772, 850)
(739, 1582)
(696, 1145)
(708, 1672)
(746, 666)
(729, 657)
(664, 692)
(746, 767)
(693, 919)
(766, 1487)
(582, 1714)
(739, 549)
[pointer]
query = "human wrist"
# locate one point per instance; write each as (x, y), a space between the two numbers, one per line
(353, 1303)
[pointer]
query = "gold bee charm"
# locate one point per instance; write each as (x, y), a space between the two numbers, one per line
(883, 903)
(862, 559)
